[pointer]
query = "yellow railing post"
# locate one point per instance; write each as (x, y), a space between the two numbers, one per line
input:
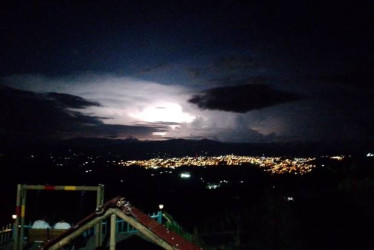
(99, 203)
(23, 213)
(112, 244)
(17, 221)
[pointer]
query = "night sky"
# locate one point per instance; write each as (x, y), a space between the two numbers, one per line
(233, 71)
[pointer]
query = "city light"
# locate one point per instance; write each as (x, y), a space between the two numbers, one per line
(273, 165)
(185, 175)
(337, 157)
(212, 186)
(289, 198)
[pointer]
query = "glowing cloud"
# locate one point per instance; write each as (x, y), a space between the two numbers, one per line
(164, 112)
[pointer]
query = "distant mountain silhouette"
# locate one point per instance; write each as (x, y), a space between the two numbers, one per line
(180, 147)
(134, 148)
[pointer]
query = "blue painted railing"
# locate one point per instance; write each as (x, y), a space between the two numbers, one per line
(6, 233)
(123, 227)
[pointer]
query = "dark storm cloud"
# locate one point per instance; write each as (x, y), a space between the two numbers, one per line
(232, 81)
(26, 113)
(357, 78)
(237, 64)
(71, 101)
(242, 98)
(194, 44)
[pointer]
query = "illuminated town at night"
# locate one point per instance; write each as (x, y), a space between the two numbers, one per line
(275, 165)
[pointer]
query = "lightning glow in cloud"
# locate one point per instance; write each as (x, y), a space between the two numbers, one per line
(163, 112)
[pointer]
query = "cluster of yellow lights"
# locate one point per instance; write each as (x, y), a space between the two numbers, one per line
(274, 165)
(337, 157)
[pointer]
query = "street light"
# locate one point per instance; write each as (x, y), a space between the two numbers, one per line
(14, 216)
(160, 213)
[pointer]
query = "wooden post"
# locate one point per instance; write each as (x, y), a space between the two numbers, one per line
(23, 213)
(98, 227)
(112, 244)
(18, 213)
